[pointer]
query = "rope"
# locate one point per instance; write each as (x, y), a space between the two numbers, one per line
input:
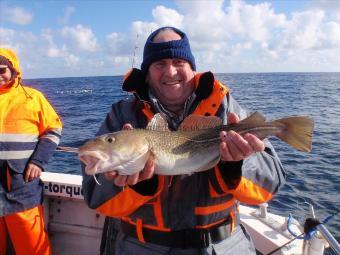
(279, 248)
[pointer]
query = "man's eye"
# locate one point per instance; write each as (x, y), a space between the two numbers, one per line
(159, 65)
(179, 63)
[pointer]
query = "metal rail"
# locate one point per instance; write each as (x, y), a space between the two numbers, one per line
(329, 237)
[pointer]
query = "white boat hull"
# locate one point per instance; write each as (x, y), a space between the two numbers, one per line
(76, 229)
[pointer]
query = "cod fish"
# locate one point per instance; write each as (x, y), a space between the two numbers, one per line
(194, 147)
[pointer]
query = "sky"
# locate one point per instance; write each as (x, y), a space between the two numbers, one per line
(103, 38)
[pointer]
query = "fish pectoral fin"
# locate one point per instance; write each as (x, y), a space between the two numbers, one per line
(158, 123)
(197, 122)
(135, 164)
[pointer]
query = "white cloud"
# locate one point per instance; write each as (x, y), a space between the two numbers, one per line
(18, 41)
(310, 31)
(16, 15)
(329, 5)
(167, 17)
(235, 36)
(71, 59)
(95, 63)
(69, 10)
(80, 38)
(38, 52)
(6, 36)
(218, 30)
(50, 46)
(204, 21)
(330, 36)
(53, 52)
(118, 43)
(121, 60)
(256, 21)
(301, 32)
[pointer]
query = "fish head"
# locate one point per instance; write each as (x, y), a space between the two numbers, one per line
(124, 151)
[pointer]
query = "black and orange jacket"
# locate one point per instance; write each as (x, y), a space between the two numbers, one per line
(200, 200)
(30, 131)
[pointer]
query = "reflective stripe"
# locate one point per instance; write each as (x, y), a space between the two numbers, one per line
(17, 146)
(139, 228)
(18, 138)
(4, 155)
(55, 130)
(51, 137)
(206, 210)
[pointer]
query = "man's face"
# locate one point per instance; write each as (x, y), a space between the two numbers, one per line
(172, 82)
(5, 75)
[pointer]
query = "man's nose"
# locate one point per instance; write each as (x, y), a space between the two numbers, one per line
(170, 70)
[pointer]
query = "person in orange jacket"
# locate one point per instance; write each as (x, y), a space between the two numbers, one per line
(195, 214)
(30, 131)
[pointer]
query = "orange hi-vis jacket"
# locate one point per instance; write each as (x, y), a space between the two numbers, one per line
(30, 131)
(201, 200)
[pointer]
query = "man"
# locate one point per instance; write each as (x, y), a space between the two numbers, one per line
(30, 131)
(196, 214)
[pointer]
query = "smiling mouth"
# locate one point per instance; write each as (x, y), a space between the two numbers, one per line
(172, 83)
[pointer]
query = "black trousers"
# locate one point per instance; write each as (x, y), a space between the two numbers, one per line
(109, 234)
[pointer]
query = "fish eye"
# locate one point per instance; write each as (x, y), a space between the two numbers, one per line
(110, 140)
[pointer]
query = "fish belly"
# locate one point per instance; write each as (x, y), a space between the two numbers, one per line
(188, 163)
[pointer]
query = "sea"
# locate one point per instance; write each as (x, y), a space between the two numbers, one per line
(313, 178)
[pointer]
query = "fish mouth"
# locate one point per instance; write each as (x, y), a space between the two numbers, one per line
(92, 161)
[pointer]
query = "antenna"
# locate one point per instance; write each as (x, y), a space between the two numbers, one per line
(133, 62)
(136, 47)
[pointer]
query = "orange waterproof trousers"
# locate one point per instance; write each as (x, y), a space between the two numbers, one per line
(27, 232)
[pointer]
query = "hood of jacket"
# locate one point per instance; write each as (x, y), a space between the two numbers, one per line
(12, 57)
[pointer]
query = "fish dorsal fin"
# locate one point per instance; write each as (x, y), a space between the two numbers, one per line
(158, 123)
(255, 117)
(197, 122)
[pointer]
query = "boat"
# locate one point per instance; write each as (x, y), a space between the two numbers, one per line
(76, 229)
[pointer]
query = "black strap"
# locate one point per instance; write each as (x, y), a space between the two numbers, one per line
(187, 238)
(3, 175)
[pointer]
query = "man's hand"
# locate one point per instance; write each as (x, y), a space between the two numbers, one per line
(235, 147)
(122, 180)
(32, 171)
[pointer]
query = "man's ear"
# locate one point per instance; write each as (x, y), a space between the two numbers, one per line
(134, 81)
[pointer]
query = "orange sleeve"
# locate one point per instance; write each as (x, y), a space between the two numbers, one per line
(248, 192)
(229, 179)
(127, 201)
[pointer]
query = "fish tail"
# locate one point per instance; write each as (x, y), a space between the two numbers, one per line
(297, 132)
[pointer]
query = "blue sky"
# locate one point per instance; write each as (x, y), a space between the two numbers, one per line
(90, 38)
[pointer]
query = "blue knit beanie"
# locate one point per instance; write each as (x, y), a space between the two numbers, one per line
(154, 51)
